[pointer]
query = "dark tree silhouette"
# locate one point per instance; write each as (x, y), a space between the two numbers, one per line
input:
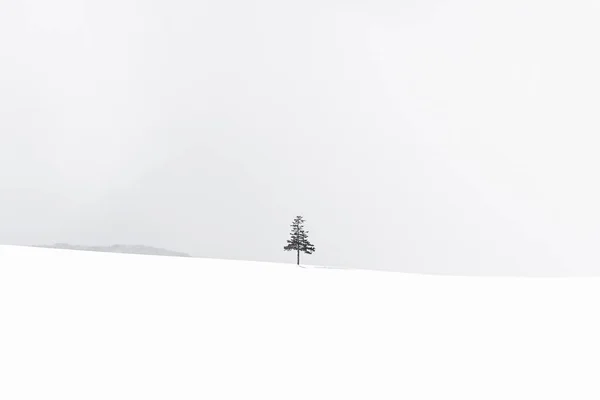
(298, 240)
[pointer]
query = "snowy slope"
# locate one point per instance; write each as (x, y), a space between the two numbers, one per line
(119, 248)
(81, 325)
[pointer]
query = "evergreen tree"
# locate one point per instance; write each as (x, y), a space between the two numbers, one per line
(298, 240)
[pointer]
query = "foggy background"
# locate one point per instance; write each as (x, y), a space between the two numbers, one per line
(419, 136)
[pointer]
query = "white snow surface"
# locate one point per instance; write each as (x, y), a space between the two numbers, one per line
(81, 325)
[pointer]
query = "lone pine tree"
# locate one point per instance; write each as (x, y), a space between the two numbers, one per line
(298, 240)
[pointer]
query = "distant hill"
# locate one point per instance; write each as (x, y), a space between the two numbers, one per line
(119, 248)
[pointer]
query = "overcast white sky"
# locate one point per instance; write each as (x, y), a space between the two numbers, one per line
(426, 136)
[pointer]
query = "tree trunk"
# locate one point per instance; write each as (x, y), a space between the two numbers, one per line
(298, 257)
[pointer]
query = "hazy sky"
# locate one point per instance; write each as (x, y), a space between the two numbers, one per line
(431, 136)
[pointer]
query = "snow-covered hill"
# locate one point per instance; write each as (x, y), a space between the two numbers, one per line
(82, 325)
(119, 248)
